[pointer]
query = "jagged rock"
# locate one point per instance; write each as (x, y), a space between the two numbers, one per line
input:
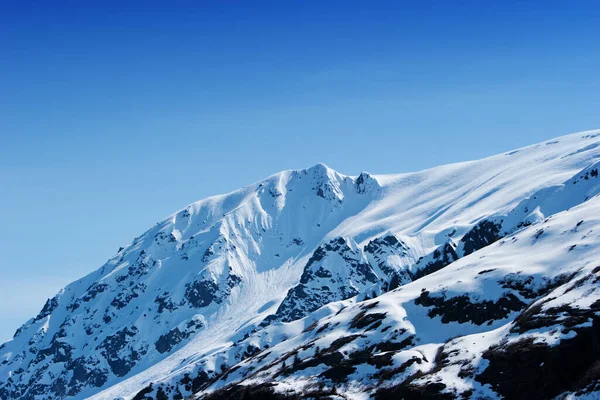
(201, 293)
(336, 270)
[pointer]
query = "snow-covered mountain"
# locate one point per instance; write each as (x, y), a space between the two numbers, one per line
(477, 279)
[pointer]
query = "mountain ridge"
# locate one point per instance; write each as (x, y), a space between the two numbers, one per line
(185, 296)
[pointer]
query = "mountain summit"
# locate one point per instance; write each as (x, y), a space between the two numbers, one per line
(476, 279)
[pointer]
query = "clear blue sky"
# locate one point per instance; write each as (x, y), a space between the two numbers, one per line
(113, 116)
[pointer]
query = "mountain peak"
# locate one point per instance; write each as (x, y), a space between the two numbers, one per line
(320, 170)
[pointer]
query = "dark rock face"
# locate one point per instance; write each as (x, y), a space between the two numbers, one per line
(139, 268)
(565, 316)
(321, 284)
(165, 303)
(86, 372)
(364, 320)
(340, 364)
(356, 270)
(318, 283)
(94, 291)
(378, 252)
(291, 308)
(250, 392)
(365, 183)
(526, 287)
(119, 353)
(409, 390)
(529, 369)
(419, 385)
(77, 373)
(462, 309)
(171, 339)
(440, 258)
(142, 394)
(483, 234)
(233, 280)
(127, 295)
(59, 350)
(201, 293)
(166, 342)
(48, 308)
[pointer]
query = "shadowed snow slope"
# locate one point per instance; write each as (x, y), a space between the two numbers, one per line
(461, 280)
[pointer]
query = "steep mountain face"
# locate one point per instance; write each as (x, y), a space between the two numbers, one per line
(455, 281)
(337, 270)
(340, 269)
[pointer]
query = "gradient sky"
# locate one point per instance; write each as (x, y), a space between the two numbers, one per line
(115, 114)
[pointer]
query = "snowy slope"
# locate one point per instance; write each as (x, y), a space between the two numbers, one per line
(341, 278)
(538, 290)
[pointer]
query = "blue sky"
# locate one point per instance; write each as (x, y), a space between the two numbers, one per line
(116, 114)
